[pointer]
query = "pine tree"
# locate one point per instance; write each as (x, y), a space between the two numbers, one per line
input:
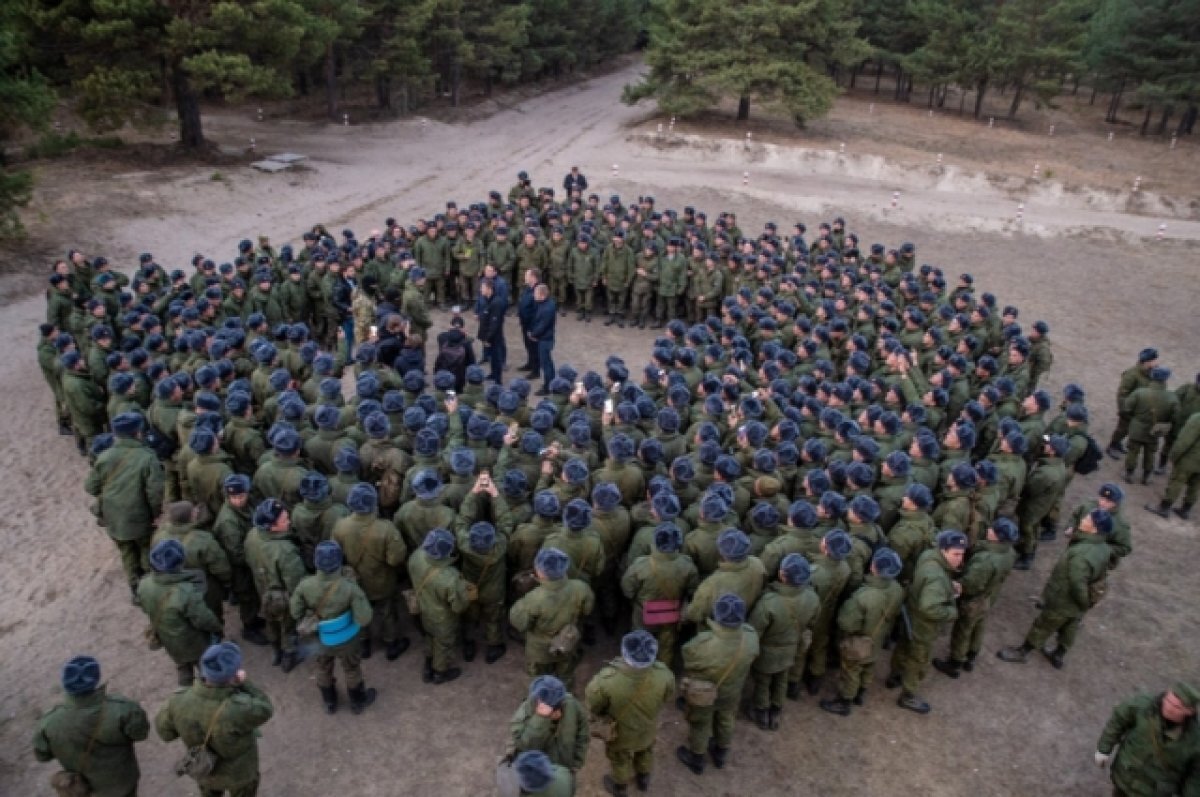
(27, 101)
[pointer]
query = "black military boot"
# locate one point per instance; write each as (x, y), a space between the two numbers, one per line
(838, 705)
(446, 676)
(288, 661)
(620, 321)
(587, 316)
(1128, 477)
(254, 634)
(468, 650)
(693, 761)
(614, 788)
(1048, 532)
(759, 717)
(812, 683)
(969, 664)
(1024, 562)
(948, 667)
(612, 319)
(427, 670)
(360, 698)
(893, 680)
(1146, 478)
(793, 690)
(1055, 657)
(64, 428)
(860, 697)
(719, 755)
(1014, 654)
(365, 648)
(276, 655)
(396, 649)
(494, 653)
(1184, 511)
(642, 781)
(774, 713)
(579, 316)
(1162, 510)
(329, 696)
(913, 703)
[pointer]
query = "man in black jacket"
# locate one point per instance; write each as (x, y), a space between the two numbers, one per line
(491, 329)
(526, 309)
(541, 333)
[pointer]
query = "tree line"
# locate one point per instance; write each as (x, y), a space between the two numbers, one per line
(795, 55)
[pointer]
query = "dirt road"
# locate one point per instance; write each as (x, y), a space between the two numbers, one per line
(1002, 730)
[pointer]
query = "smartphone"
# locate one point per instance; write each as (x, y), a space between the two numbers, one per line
(608, 406)
(579, 386)
(450, 394)
(374, 331)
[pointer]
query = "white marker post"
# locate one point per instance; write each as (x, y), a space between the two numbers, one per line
(1162, 230)
(991, 121)
(1020, 212)
(660, 128)
(749, 136)
(1110, 137)
(1174, 140)
(1052, 130)
(260, 115)
(745, 178)
(895, 199)
(615, 170)
(252, 145)
(345, 120)
(1037, 169)
(939, 159)
(1137, 183)
(842, 148)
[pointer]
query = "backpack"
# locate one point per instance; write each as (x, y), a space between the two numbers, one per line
(389, 482)
(452, 358)
(1089, 461)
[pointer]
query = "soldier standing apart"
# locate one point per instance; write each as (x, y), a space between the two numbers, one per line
(91, 734)
(551, 720)
(1075, 585)
(716, 663)
(988, 566)
(627, 696)
(222, 714)
(128, 481)
(928, 606)
(864, 620)
(440, 595)
(1157, 743)
(341, 610)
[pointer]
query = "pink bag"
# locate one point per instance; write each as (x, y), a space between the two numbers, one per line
(664, 611)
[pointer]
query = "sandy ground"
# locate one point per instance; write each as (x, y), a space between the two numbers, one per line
(1003, 730)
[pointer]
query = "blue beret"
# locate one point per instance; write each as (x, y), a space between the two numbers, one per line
(668, 538)
(1148, 354)
(733, 545)
(920, 495)
(220, 663)
(1058, 444)
(362, 499)
(887, 563)
(548, 690)
(127, 424)
(795, 569)
(729, 610)
(575, 471)
(546, 504)
(1160, 374)
(427, 484)
(236, 403)
(426, 443)
(898, 463)
(376, 424)
(620, 447)
(964, 476)
(713, 506)
(438, 544)
(328, 417)
(862, 474)
(728, 467)
(837, 544)
(531, 442)
(683, 470)
(236, 484)
(101, 443)
(639, 649)
(481, 537)
(167, 556)
(346, 460)
(553, 563)
(577, 514)
(764, 515)
(267, 512)
(328, 556)
(1006, 530)
(475, 374)
(606, 496)
(515, 483)
(534, 769)
(951, 538)
(666, 506)
(80, 675)
(802, 514)
(314, 486)
(286, 441)
(1112, 492)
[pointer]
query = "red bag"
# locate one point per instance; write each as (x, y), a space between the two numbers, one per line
(661, 612)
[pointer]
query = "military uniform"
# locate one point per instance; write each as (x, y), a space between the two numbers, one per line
(746, 579)
(442, 594)
(1153, 757)
(869, 611)
(232, 736)
(617, 271)
(645, 281)
(784, 618)
(1131, 379)
(330, 595)
(374, 548)
(659, 576)
(581, 272)
(202, 553)
(1185, 465)
(93, 735)
(1043, 490)
(564, 740)
(1066, 598)
(722, 656)
(128, 481)
(929, 605)
(174, 603)
(541, 614)
(987, 567)
(1152, 411)
(230, 530)
(277, 567)
(829, 578)
(672, 283)
(632, 699)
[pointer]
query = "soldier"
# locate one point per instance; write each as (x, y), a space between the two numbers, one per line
(180, 622)
(440, 592)
(432, 253)
(553, 721)
(413, 305)
(628, 694)
(127, 480)
(928, 606)
(483, 558)
(316, 517)
(1043, 489)
(738, 573)
(656, 584)
(672, 282)
(581, 272)
(537, 774)
(277, 567)
(715, 664)
(988, 565)
(830, 572)
(1158, 745)
(1131, 379)
(184, 521)
(1041, 357)
(232, 525)
(1184, 454)
(206, 471)
(864, 620)
(221, 713)
(1074, 587)
(91, 734)
(1152, 412)
(550, 615)
(341, 609)
(616, 273)
(784, 618)
(645, 282)
(374, 548)
(279, 477)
